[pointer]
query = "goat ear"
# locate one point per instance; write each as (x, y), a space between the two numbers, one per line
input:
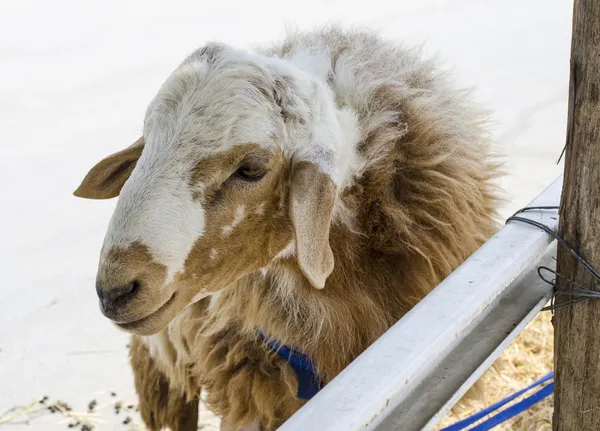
(106, 179)
(311, 207)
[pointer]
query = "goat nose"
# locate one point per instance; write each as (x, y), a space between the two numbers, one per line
(113, 298)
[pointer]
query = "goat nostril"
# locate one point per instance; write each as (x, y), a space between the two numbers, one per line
(116, 297)
(135, 285)
(127, 292)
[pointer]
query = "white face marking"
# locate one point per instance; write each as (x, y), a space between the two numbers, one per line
(240, 215)
(158, 210)
(213, 254)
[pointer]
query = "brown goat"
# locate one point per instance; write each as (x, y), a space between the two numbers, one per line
(316, 190)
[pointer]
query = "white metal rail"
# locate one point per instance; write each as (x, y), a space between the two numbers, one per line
(413, 375)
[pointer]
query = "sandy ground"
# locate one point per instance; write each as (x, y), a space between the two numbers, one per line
(75, 78)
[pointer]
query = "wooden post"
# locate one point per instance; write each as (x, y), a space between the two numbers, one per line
(577, 328)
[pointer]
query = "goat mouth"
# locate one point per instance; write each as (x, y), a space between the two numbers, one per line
(145, 321)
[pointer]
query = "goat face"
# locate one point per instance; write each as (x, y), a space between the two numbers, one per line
(239, 159)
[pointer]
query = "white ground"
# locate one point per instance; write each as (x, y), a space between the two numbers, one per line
(75, 78)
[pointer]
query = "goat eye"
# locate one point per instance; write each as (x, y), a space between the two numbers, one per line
(250, 172)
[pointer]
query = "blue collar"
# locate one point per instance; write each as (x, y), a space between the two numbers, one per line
(308, 381)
